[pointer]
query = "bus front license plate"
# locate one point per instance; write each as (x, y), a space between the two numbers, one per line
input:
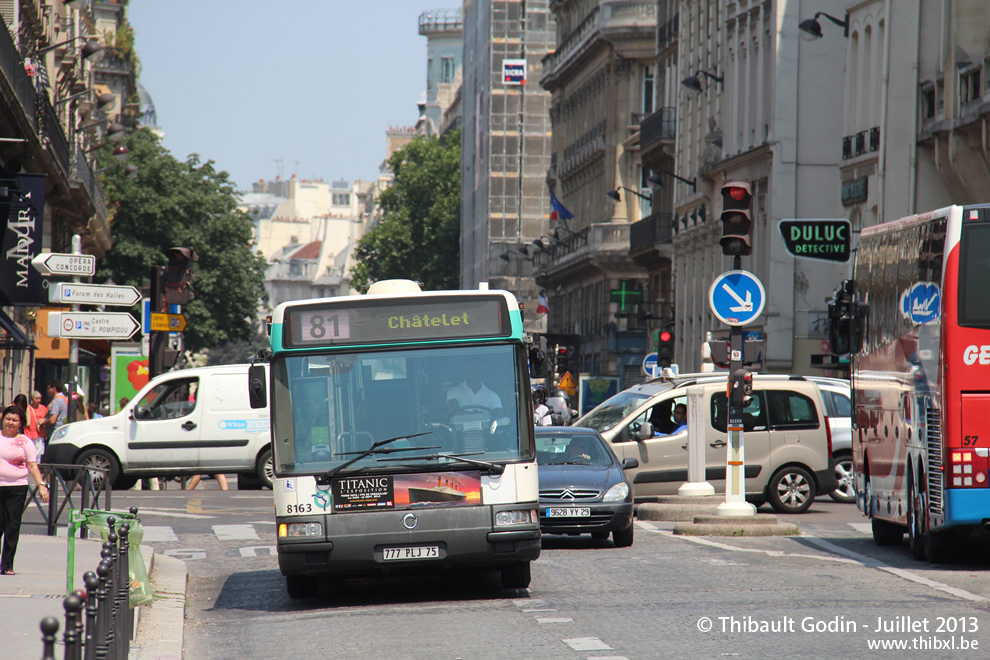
(419, 552)
(568, 513)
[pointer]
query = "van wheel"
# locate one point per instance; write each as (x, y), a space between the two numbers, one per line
(516, 575)
(791, 490)
(301, 586)
(266, 468)
(102, 460)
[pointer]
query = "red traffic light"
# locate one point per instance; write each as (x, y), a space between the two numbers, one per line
(562, 350)
(738, 193)
(665, 336)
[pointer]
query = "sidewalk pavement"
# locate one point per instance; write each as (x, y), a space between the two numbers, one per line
(37, 590)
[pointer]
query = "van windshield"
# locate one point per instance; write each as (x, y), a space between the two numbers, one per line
(610, 413)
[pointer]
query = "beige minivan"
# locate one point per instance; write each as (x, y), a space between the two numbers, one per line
(786, 437)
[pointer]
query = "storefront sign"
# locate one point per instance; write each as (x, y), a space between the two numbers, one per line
(826, 240)
(22, 204)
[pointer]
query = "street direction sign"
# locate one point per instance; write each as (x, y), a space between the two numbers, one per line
(93, 294)
(92, 325)
(161, 322)
(737, 297)
(650, 366)
(57, 263)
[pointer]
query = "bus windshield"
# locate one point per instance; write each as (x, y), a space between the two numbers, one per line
(442, 403)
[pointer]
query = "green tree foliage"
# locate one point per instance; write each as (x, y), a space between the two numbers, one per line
(418, 237)
(188, 204)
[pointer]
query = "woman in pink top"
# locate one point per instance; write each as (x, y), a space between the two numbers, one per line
(31, 429)
(17, 460)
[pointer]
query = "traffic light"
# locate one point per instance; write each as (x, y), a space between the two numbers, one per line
(665, 348)
(740, 387)
(178, 276)
(563, 358)
(737, 218)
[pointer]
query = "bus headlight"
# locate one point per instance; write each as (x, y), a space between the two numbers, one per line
(505, 518)
(617, 493)
(308, 529)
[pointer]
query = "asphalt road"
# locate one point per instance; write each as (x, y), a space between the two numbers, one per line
(822, 594)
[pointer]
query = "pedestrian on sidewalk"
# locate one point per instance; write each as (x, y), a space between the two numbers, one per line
(17, 461)
(58, 408)
(31, 430)
(221, 479)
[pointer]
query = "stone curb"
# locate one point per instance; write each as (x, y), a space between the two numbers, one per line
(758, 519)
(160, 634)
(732, 529)
(676, 511)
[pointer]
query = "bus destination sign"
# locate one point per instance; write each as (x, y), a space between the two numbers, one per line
(370, 322)
(826, 240)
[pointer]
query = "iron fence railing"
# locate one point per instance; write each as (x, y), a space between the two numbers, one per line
(660, 125)
(654, 229)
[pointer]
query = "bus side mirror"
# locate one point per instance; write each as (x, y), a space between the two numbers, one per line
(539, 361)
(257, 388)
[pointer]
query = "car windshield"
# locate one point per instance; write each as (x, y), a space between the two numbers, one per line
(571, 449)
(612, 412)
(331, 408)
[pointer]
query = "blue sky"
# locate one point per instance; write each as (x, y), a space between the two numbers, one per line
(313, 83)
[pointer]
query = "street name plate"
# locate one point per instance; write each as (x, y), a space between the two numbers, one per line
(92, 325)
(57, 263)
(93, 294)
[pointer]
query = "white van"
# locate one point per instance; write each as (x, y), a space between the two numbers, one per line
(192, 421)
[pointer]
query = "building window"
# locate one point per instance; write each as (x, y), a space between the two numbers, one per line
(969, 85)
(341, 199)
(645, 205)
(928, 102)
(446, 69)
(647, 90)
(429, 73)
(940, 97)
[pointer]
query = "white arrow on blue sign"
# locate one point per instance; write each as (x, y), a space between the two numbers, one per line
(650, 367)
(737, 297)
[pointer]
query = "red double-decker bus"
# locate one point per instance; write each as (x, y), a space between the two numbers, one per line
(916, 316)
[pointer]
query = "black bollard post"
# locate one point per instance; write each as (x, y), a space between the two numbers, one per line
(103, 612)
(92, 582)
(81, 620)
(53, 509)
(108, 552)
(125, 629)
(73, 605)
(49, 626)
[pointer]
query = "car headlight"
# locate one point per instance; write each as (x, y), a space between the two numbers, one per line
(504, 518)
(60, 433)
(617, 493)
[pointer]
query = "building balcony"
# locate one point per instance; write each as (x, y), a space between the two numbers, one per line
(667, 32)
(655, 229)
(600, 245)
(614, 20)
(658, 127)
(439, 21)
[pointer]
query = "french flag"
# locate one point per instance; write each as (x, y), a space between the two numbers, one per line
(557, 210)
(542, 308)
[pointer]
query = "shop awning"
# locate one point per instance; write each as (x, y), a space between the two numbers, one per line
(14, 337)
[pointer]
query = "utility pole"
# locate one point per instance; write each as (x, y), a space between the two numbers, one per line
(74, 343)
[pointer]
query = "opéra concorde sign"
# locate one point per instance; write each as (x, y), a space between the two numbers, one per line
(827, 240)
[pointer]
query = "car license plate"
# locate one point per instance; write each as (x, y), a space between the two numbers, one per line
(418, 552)
(568, 513)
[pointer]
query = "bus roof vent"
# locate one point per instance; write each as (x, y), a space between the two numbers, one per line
(395, 286)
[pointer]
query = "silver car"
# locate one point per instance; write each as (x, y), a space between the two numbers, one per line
(836, 393)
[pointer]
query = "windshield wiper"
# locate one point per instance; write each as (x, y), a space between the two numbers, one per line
(494, 469)
(374, 449)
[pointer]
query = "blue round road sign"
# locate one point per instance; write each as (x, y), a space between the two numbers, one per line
(737, 297)
(650, 364)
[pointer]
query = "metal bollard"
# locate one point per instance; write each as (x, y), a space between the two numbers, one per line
(49, 626)
(73, 606)
(81, 620)
(125, 585)
(92, 582)
(103, 612)
(109, 598)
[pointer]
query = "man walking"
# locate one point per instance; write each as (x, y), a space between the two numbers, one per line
(58, 407)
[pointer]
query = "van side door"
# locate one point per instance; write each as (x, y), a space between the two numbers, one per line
(797, 433)
(164, 428)
(233, 433)
(662, 458)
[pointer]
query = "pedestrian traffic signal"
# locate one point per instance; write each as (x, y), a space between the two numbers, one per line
(740, 387)
(178, 276)
(737, 218)
(665, 348)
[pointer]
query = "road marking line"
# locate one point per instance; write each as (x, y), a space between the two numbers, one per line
(862, 528)
(549, 619)
(235, 532)
(772, 553)
(609, 657)
(159, 534)
(541, 609)
(587, 644)
(172, 514)
(899, 572)
(252, 551)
